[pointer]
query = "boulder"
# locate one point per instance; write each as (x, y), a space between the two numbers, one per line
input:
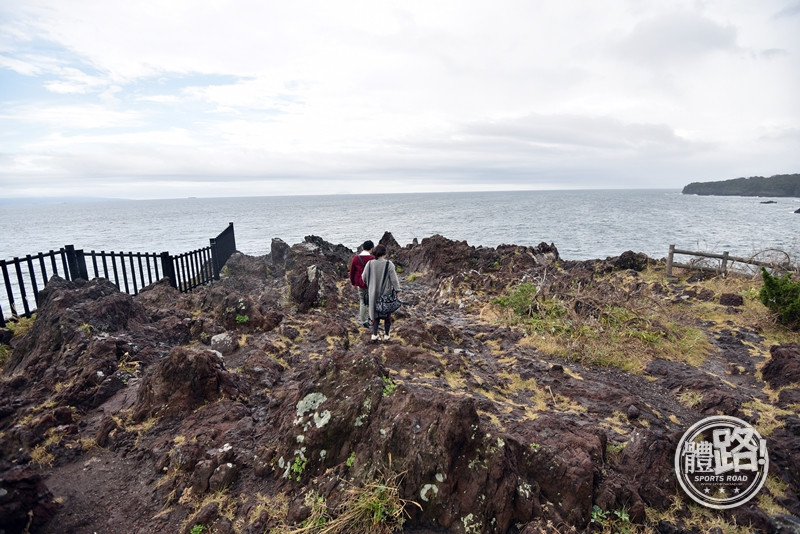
(25, 502)
(631, 260)
(224, 343)
(184, 381)
(783, 368)
(731, 299)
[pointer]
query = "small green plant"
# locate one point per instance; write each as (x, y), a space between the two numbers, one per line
(319, 513)
(198, 529)
(298, 466)
(617, 521)
(782, 297)
(599, 516)
(613, 451)
(242, 319)
(86, 327)
(351, 459)
(388, 386)
(535, 447)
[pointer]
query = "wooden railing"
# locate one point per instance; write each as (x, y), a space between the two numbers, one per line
(725, 263)
(24, 278)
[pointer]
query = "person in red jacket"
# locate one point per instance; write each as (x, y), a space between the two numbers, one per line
(357, 265)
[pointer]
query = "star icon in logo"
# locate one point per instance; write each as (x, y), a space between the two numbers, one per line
(722, 490)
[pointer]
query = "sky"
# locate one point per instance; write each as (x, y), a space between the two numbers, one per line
(209, 98)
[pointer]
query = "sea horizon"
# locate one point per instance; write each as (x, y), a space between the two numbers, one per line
(581, 223)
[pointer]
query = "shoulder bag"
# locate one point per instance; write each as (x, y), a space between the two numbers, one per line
(389, 303)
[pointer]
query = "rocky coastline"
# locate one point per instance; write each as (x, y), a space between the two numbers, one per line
(256, 404)
(780, 185)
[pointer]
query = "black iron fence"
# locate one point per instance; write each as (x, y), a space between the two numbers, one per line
(24, 278)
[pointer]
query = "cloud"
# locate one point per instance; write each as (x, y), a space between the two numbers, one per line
(579, 132)
(410, 96)
(789, 11)
(676, 37)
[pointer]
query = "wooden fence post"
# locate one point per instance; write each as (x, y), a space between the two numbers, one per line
(725, 262)
(168, 269)
(669, 259)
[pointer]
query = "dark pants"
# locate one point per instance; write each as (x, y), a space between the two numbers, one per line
(387, 322)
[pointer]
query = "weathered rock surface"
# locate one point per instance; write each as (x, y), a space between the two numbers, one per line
(232, 406)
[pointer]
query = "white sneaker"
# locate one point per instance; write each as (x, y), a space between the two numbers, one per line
(375, 338)
(385, 337)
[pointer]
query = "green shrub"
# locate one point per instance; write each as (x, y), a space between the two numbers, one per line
(519, 300)
(782, 297)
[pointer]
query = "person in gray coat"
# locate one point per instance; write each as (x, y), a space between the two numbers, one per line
(373, 276)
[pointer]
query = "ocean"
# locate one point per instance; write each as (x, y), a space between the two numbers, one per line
(583, 224)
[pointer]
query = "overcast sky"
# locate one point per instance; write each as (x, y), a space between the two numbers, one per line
(175, 98)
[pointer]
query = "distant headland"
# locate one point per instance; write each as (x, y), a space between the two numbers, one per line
(780, 185)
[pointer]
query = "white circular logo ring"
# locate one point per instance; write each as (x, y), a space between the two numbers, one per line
(721, 462)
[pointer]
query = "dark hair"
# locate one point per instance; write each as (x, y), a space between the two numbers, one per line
(368, 245)
(379, 251)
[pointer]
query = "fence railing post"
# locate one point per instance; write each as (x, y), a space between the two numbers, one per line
(76, 262)
(669, 259)
(222, 247)
(168, 268)
(725, 262)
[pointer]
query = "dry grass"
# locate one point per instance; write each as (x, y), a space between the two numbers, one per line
(618, 320)
(376, 507)
(768, 416)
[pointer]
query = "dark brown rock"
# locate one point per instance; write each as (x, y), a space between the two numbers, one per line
(25, 502)
(630, 260)
(201, 476)
(223, 476)
(5, 336)
(731, 299)
(183, 381)
(783, 368)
